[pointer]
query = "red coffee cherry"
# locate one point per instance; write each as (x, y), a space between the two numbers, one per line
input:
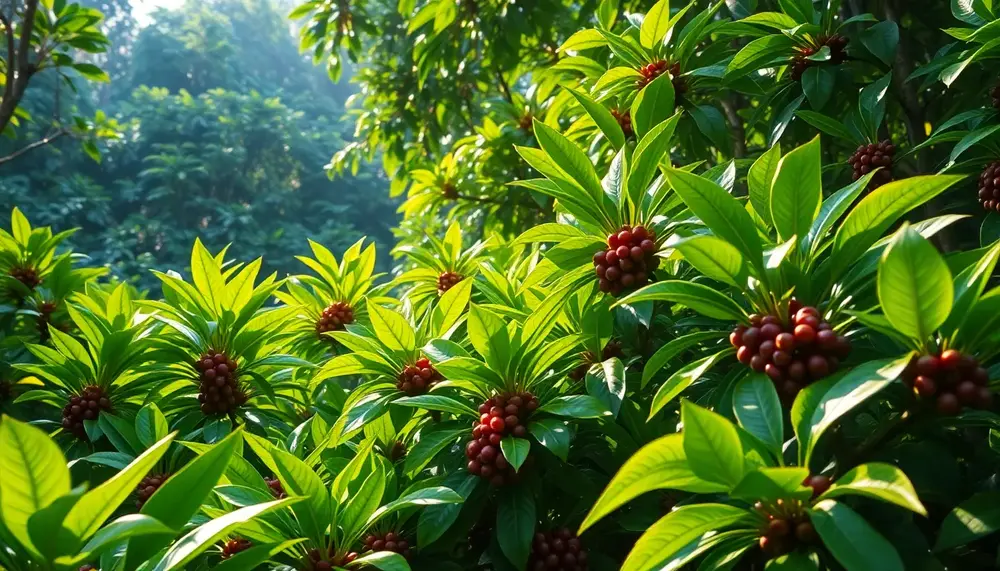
(949, 381)
(389, 541)
(147, 487)
(220, 392)
(870, 157)
(448, 280)
(989, 180)
(418, 378)
(234, 546)
(85, 406)
(500, 416)
(559, 549)
(838, 54)
(627, 262)
(335, 317)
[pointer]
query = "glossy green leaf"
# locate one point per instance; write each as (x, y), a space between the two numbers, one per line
(515, 450)
(974, 518)
(878, 481)
(853, 542)
(758, 410)
(676, 530)
(516, 524)
(701, 298)
(711, 445)
(797, 191)
(914, 285)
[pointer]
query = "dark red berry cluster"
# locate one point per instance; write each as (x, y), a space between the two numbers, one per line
(611, 350)
(448, 280)
(147, 487)
(334, 318)
(871, 156)
(628, 261)
(449, 190)
(45, 312)
(819, 484)
(26, 275)
(995, 96)
(87, 568)
(653, 70)
(418, 378)
(794, 352)
(277, 490)
(315, 561)
(559, 550)
(500, 416)
(390, 541)
(396, 451)
(220, 391)
(84, 406)
(234, 546)
(624, 119)
(785, 527)
(952, 379)
(527, 123)
(838, 54)
(989, 187)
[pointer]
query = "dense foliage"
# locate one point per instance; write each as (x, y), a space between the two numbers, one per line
(704, 287)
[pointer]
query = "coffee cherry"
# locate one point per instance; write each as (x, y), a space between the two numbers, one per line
(952, 379)
(85, 406)
(819, 484)
(504, 415)
(418, 378)
(234, 546)
(989, 189)
(806, 533)
(559, 549)
(871, 156)
(838, 54)
(389, 541)
(626, 263)
(220, 391)
(624, 119)
(335, 317)
(448, 280)
(147, 487)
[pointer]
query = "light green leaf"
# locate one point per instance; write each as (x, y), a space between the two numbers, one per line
(914, 285)
(676, 530)
(701, 298)
(758, 410)
(515, 450)
(712, 445)
(797, 191)
(853, 542)
(392, 329)
(878, 481)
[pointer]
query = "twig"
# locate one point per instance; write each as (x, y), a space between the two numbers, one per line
(736, 126)
(39, 143)
(504, 86)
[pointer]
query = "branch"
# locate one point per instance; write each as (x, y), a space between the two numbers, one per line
(39, 143)
(29, 25)
(504, 86)
(739, 132)
(8, 29)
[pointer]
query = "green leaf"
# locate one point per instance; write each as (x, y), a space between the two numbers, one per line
(392, 329)
(833, 208)
(189, 547)
(649, 153)
(682, 379)
(653, 105)
(878, 481)
(434, 521)
(723, 214)
(974, 518)
(488, 334)
(516, 524)
(92, 72)
(817, 84)
(553, 434)
(882, 40)
(363, 502)
(969, 286)
(759, 181)
(797, 191)
(914, 285)
(875, 213)
(123, 528)
(606, 383)
(605, 121)
(671, 350)
(712, 445)
(655, 25)
(853, 542)
(430, 496)
(575, 406)
(794, 561)
(676, 530)
(298, 479)
(758, 410)
(150, 425)
(825, 123)
(853, 388)
(515, 450)
(711, 256)
(772, 484)
(661, 464)
(583, 40)
(19, 226)
(431, 442)
(383, 561)
(701, 298)
(438, 402)
(569, 158)
(757, 54)
(33, 474)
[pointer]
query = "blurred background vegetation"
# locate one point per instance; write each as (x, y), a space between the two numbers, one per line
(216, 127)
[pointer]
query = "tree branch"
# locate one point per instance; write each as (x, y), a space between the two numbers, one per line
(19, 69)
(39, 143)
(8, 29)
(736, 127)
(504, 86)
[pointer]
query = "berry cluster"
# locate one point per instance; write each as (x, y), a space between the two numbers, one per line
(390, 541)
(449, 190)
(838, 54)
(628, 261)
(397, 451)
(989, 187)
(793, 352)
(418, 378)
(624, 119)
(315, 562)
(954, 380)
(234, 546)
(786, 526)
(87, 568)
(334, 318)
(448, 280)
(995, 96)
(499, 416)
(612, 349)
(653, 70)
(147, 487)
(220, 391)
(84, 406)
(559, 550)
(871, 156)
(527, 123)
(45, 311)
(277, 490)
(26, 275)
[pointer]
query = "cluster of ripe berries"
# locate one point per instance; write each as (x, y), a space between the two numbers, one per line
(389, 541)
(26, 275)
(500, 416)
(45, 311)
(147, 487)
(651, 71)
(989, 187)
(786, 524)
(793, 352)
(277, 490)
(611, 350)
(315, 562)
(527, 123)
(234, 546)
(624, 119)
(84, 406)
(448, 280)
(952, 379)
(871, 156)
(838, 54)
(334, 318)
(397, 451)
(418, 378)
(220, 391)
(87, 568)
(628, 261)
(449, 190)
(559, 550)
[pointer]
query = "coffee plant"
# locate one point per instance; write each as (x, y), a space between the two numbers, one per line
(706, 286)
